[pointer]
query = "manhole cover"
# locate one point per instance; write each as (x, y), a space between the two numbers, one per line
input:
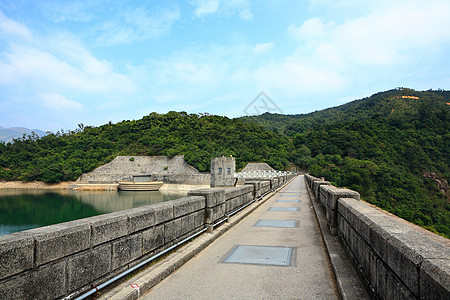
(284, 209)
(260, 255)
(277, 223)
(288, 201)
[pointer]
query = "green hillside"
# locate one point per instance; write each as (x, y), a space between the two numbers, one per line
(66, 155)
(392, 147)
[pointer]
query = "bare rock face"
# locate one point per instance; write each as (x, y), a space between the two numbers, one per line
(441, 183)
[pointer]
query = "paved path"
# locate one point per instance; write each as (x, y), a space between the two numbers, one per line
(307, 276)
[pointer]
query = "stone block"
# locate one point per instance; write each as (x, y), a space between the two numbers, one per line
(16, 254)
(420, 243)
(152, 238)
(366, 261)
(389, 286)
(332, 194)
(45, 282)
(435, 279)
(248, 197)
(209, 216)
(214, 196)
(172, 230)
(187, 205)
(331, 216)
(215, 213)
(256, 187)
(242, 199)
(230, 204)
(187, 223)
(163, 212)
(56, 241)
(126, 250)
(406, 252)
(231, 193)
(141, 218)
(199, 218)
(316, 185)
(108, 227)
(358, 214)
(88, 266)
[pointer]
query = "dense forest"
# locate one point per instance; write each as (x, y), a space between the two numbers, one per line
(65, 155)
(392, 147)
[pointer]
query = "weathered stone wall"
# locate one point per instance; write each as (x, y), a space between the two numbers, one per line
(397, 259)
(70, 258)
(162, 168)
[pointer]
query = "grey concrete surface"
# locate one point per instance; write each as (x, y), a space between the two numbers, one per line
(308, 277)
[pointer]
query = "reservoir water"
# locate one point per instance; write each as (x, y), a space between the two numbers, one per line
(27, 209)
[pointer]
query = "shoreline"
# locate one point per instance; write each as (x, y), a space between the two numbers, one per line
(34, 185)
(81, 186)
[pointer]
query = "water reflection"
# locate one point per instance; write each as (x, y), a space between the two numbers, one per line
(27, 209)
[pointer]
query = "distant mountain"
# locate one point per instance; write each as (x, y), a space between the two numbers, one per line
(8, 134)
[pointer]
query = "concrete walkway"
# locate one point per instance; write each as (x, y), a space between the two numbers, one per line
(214, 273)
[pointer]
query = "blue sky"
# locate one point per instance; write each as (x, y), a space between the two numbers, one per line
(69, 62)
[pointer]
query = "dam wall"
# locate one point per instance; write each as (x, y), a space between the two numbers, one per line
(68, 259)
(161, 168)
(395, 258)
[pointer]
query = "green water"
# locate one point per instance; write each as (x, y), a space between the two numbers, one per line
(27, 209)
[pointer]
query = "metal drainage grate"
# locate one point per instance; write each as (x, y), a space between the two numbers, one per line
(298, 195)
(288, 201)
(284, 209)
(277, 223)
(260, 255)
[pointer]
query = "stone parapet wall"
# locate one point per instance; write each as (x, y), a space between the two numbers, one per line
(396, 259)
(68, 259)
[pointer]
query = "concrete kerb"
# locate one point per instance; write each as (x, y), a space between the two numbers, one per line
(147, 279)
(349, 285)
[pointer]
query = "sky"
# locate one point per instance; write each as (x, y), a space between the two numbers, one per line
(63, 63)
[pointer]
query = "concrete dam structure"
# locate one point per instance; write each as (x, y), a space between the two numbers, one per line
(161, 168)
(394, 258)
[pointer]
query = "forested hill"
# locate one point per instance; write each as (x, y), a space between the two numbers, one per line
(64, 156)
(392, 147)
(398, 104)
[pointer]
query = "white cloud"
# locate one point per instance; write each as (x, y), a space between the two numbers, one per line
(137, 24)
(226, 8)
(263, 48)
(205, 7)
(392, 34)
(12, 29)
(50, 66)
(310, 29)
(40, 68)
(59, 102)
